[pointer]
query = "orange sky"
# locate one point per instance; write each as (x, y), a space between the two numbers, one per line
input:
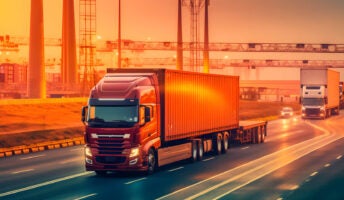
(280, 21)
(314, 21)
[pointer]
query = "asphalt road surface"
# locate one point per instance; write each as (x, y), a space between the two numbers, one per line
(300, 159)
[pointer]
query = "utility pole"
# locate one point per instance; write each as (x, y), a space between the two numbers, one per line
(206, 39)
(180, 38)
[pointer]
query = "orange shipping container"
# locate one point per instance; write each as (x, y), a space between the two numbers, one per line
(195, 104)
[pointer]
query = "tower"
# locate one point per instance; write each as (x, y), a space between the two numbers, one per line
(69, 64)
(87, 53)
(36, 73)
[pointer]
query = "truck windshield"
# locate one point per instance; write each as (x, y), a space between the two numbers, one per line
(313, 102)
(113, 116)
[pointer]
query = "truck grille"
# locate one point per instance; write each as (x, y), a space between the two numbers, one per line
(111, 145)
(312, 111)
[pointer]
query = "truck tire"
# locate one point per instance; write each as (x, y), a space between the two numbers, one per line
(262, 136)
(225, 143)
(218, 144)
(200, 150)
(258, 135)
(194, 151)
(151, 162)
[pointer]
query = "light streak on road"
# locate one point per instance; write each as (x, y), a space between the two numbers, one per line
(212, 188)
(23, 171)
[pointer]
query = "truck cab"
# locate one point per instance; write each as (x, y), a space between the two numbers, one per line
(313, 101)
(120, 120)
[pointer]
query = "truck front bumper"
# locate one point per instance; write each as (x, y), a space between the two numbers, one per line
(313, 113)
(106, 162)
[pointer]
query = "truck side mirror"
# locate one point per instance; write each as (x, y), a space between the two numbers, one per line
(83, 113)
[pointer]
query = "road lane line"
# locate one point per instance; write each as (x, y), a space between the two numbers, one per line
(85, 197)
(246, 165)
(205, 160)
(258, 176)
(31, 157)
(339, 157)
(314, 173)
(134, 181)
(249, 172)
(44, 184)
(22, 171)
(243, 148)
(175, 169)
(327, 165)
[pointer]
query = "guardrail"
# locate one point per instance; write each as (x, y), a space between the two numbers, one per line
(7, 152)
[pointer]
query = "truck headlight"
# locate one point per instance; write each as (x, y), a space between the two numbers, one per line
(134, 152)
(322, 108)
(88, 151)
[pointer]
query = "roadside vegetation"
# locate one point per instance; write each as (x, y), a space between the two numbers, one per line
(25, 124)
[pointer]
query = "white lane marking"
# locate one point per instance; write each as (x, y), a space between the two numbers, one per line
(175, 169)
(245, 148)
(205, 160)
(327, 165)
(134, 181)
(31, 157)
(339, 157)
(44, 184)
(294, 187)
(287, 186)
(85, 197)
(290, 153)
(314, 173)
(22, 171)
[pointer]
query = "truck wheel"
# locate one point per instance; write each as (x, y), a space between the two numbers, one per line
(218, 144)
(258, 136)
(200, 150)
(225, 143)
(262, 137)
(151, 161)
(194, 151)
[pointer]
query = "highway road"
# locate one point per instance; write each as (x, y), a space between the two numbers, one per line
(300, 159)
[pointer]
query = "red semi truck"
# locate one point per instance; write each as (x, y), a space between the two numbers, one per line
(140, 119)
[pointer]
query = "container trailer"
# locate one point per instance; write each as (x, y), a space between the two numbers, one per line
(140, 119)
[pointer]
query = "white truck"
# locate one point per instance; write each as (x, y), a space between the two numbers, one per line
(319, 92)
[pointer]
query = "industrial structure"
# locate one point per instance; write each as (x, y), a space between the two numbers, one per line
(70, 77)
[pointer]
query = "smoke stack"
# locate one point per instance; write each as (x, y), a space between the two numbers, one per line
(36, 72)
(69, 64)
